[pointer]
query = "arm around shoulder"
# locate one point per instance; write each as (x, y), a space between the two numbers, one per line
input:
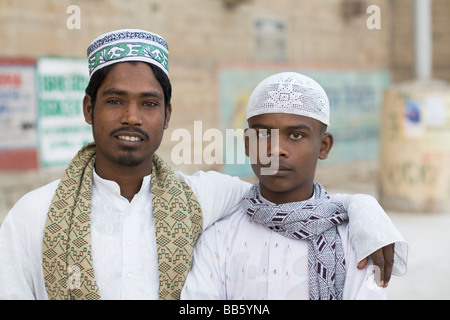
(205, 280)
(220, 195)
(371, 228)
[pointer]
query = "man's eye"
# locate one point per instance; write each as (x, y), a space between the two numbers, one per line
(263, 134)
(296, 135)
(114, 101)
(150, 104)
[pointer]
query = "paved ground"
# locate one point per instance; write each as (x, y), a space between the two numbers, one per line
(427, 234)
(428, 275)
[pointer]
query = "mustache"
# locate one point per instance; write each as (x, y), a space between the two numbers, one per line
(129, 130)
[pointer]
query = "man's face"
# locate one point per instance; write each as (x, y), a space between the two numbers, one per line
(301, 143)
(128, 119)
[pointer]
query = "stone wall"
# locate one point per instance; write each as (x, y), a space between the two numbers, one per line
(207, 35)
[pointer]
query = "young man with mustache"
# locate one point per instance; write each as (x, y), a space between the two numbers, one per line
(120, 223)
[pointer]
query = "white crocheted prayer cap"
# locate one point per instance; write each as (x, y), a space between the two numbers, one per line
(290, 92)
(128, 45)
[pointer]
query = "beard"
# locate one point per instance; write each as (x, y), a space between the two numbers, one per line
(129, 159)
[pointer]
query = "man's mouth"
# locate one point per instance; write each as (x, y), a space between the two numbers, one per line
(127, 135)
(129, 138)
(282, 171)
(276, 170)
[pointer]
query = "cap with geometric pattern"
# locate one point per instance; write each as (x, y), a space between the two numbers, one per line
(128, 45)
(292, 93)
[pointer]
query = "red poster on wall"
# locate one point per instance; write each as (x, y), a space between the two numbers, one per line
(18, 143)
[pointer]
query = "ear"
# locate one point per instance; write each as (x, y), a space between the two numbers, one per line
(168, 112)
(326, 145)
(87, 109)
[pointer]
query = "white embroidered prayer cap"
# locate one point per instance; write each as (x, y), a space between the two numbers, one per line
(128, 45)
(292, 93)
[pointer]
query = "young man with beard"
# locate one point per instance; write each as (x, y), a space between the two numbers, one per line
(120, 223)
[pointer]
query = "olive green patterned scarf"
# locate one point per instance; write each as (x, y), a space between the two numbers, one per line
(67, 251)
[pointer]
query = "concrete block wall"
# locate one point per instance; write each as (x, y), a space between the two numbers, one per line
(206, 35)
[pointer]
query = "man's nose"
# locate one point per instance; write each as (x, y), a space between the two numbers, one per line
(277, 146)
(131, 115)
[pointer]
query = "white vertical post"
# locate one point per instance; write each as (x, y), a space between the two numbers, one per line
(423, 37)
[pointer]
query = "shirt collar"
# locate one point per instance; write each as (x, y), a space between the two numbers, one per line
(114, 187)
(274, 204)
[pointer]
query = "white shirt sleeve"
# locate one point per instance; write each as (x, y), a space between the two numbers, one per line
(370, 229)
(14, 282)
(21, 236)
(205, 279)
(219, 195)
(359, 284)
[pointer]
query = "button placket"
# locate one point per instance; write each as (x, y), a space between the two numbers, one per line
(275, 266)
(129, 233)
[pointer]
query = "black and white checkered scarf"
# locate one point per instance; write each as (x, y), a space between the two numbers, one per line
(314, 220)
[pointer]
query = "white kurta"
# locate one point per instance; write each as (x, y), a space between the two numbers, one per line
(123, 235)
(252, 262)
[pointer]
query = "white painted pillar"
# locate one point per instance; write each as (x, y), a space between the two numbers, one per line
(423, 36)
